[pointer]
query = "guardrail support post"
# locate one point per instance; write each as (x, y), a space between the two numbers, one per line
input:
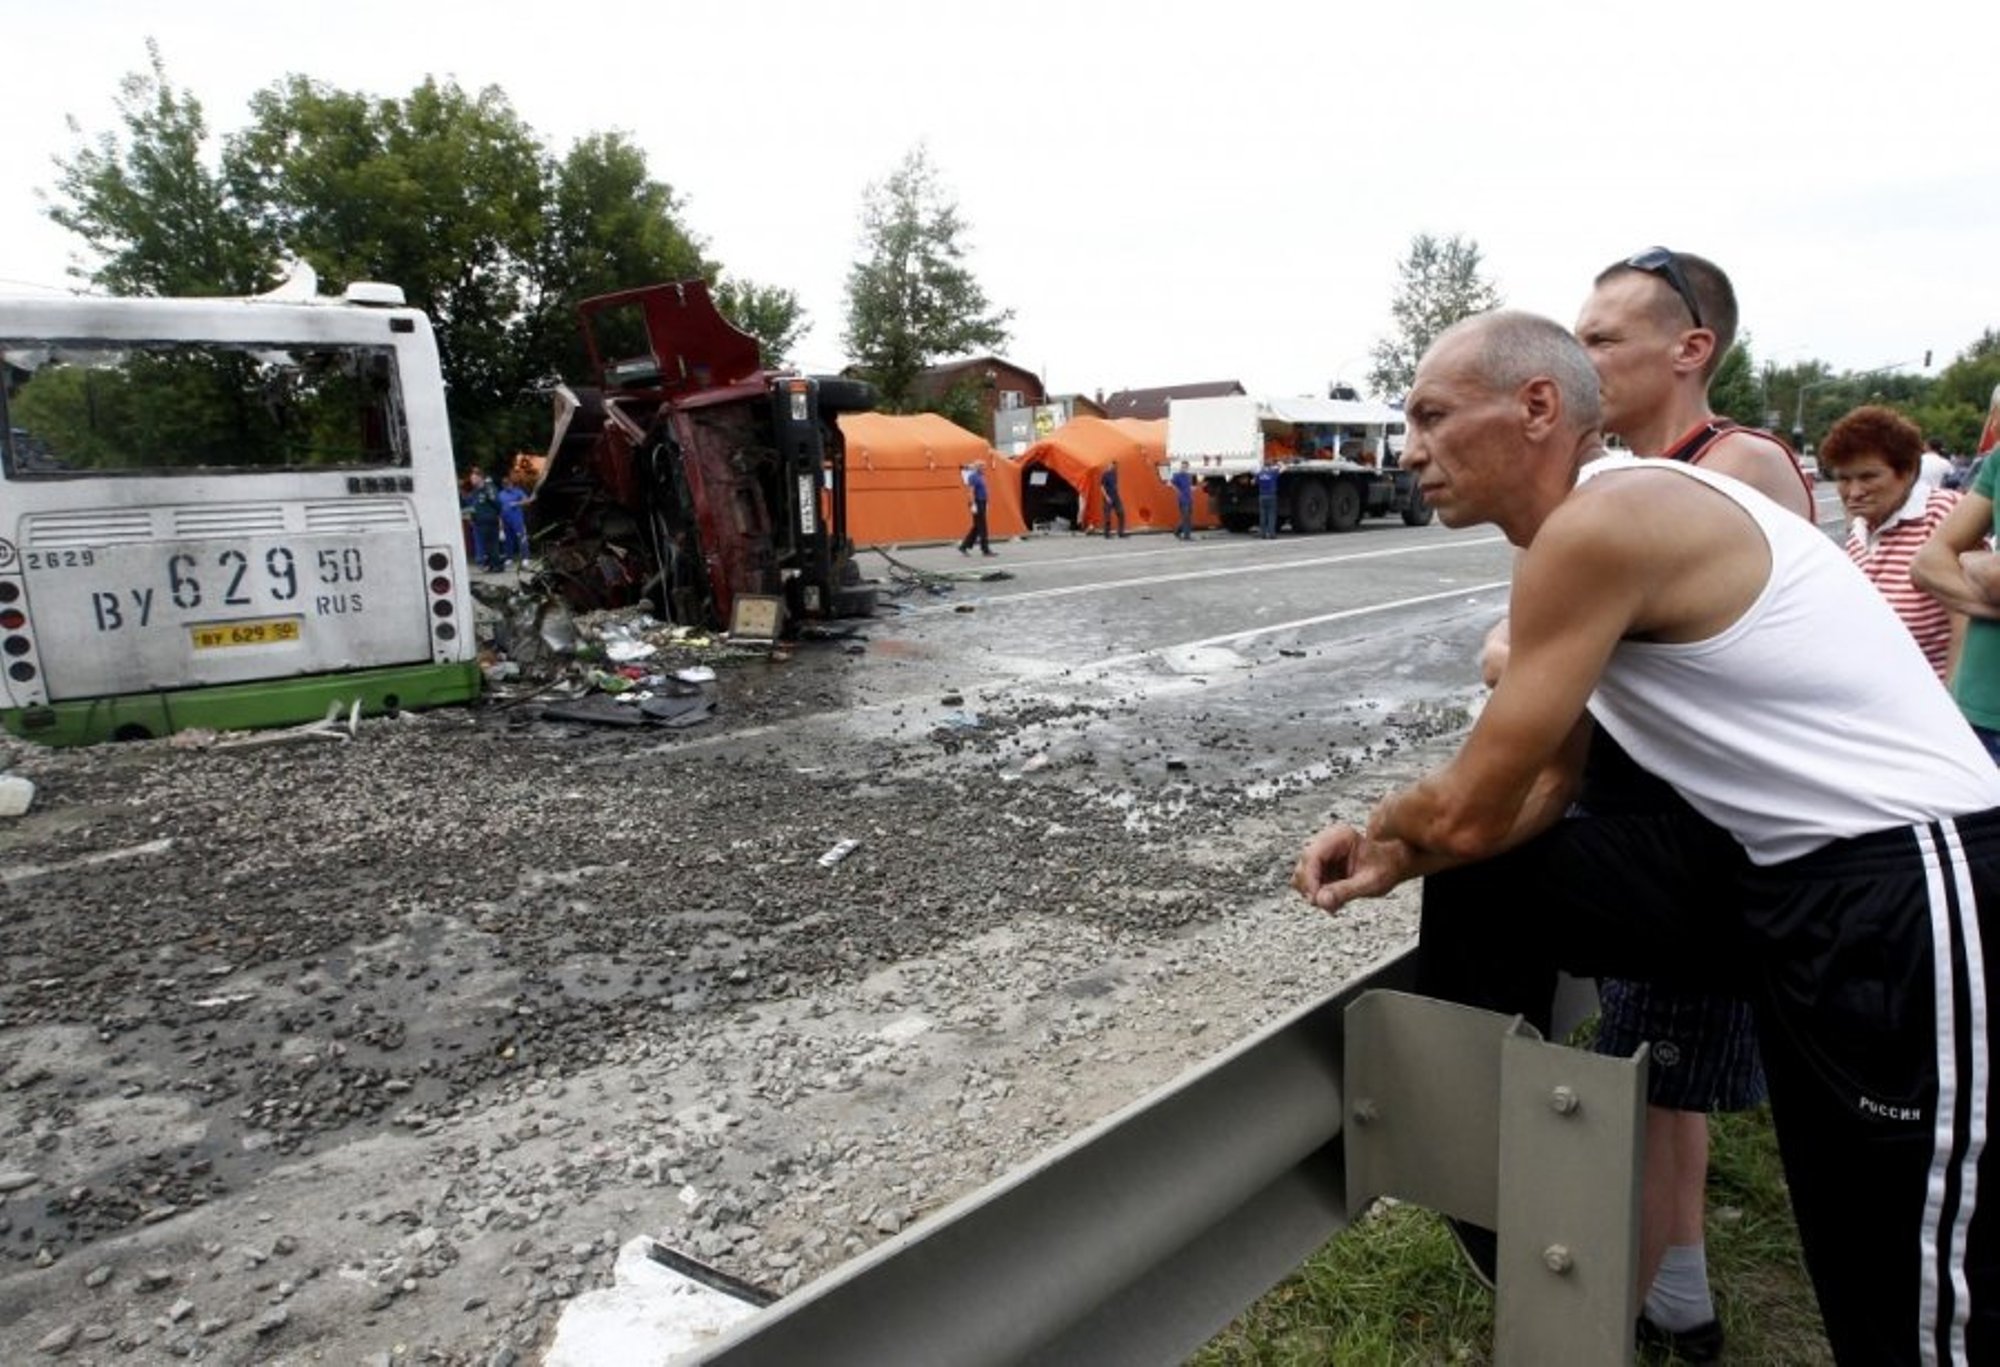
(1472, 1114)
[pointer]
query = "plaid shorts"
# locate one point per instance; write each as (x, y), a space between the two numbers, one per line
(1704, 1045)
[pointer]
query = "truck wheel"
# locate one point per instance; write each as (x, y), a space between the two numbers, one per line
(855, 602)
(838, 394)
(1345, 513)
(1309, 507)
(1416, 512)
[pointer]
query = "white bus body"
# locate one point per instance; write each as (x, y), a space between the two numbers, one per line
(224, 512)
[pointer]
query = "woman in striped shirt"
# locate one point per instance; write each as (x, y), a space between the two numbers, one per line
(1875, 455)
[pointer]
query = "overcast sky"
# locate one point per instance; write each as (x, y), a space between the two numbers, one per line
(1170, 192)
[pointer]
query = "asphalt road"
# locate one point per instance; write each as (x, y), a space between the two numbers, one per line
(375, 1050)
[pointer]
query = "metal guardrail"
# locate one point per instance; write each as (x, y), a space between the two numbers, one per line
(1137, 1241)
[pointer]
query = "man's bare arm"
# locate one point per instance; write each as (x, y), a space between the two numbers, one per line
(1763, 465)
(1577, 591)
(1982, 572)
(1343, 862)
(1937, 568)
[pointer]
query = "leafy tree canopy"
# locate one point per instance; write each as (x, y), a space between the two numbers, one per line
(1440, 284)
(1734, 392)
(445, 192)
(910, 299)
(147, 204)
(772, 315)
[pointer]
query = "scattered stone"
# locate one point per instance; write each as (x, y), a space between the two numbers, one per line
(272, 1321)
(58, 1340)
(16, 1180)
(17, 795)
(156, 1279)
(493, 995)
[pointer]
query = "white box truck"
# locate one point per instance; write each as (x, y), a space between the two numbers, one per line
(1338, 459)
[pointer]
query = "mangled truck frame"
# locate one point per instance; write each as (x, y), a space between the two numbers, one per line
(693, 477)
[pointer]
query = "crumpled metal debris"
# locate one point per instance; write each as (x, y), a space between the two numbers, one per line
(330, 727)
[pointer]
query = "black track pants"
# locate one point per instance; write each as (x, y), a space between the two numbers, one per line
(1866, 962)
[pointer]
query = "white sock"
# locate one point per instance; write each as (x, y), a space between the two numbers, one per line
(1679, 1299)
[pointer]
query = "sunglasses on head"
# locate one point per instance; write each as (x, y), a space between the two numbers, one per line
(1658, 261)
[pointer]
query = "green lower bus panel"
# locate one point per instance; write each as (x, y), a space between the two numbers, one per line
(237, 707)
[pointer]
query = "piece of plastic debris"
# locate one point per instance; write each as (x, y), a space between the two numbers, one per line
(625, 652)
(695, 674)
(17, 794)
(838, 853)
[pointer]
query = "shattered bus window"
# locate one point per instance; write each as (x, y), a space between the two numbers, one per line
(132, 409)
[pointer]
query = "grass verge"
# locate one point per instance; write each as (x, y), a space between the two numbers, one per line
(1391, 1291)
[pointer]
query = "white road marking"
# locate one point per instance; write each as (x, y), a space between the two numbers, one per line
(1297, 623)
(1072, 590)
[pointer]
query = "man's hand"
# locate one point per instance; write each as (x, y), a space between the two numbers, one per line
(1341, 864)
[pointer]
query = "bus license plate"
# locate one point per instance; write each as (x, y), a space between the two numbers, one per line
(264, 632)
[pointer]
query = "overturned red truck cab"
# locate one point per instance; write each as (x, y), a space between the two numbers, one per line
(692, 476)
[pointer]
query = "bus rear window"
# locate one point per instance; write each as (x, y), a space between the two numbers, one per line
(129, 408)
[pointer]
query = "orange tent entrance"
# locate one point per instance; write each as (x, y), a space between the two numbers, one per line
(904, 480)
(1060, 476)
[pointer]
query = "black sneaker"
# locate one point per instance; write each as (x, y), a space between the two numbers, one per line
(1479, 1246)
(1701, 1344)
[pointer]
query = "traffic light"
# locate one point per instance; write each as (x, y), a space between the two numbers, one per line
(1927, 360)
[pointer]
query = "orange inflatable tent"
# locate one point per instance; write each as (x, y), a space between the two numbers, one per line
(904, 485)
(1060, 473)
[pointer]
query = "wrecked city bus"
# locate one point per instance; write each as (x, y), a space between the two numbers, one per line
(225, 513)
(691, 477)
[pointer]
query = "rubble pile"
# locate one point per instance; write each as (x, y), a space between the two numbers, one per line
(377, 1051)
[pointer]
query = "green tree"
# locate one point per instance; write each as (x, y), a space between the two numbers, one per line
(1954, 408)
(607, 226)
(1440, 284)
(445, 193)
(773, 316)
(1736, 391)
(1805, 397)
(440, 192)
(910, 299)
(148, 204)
